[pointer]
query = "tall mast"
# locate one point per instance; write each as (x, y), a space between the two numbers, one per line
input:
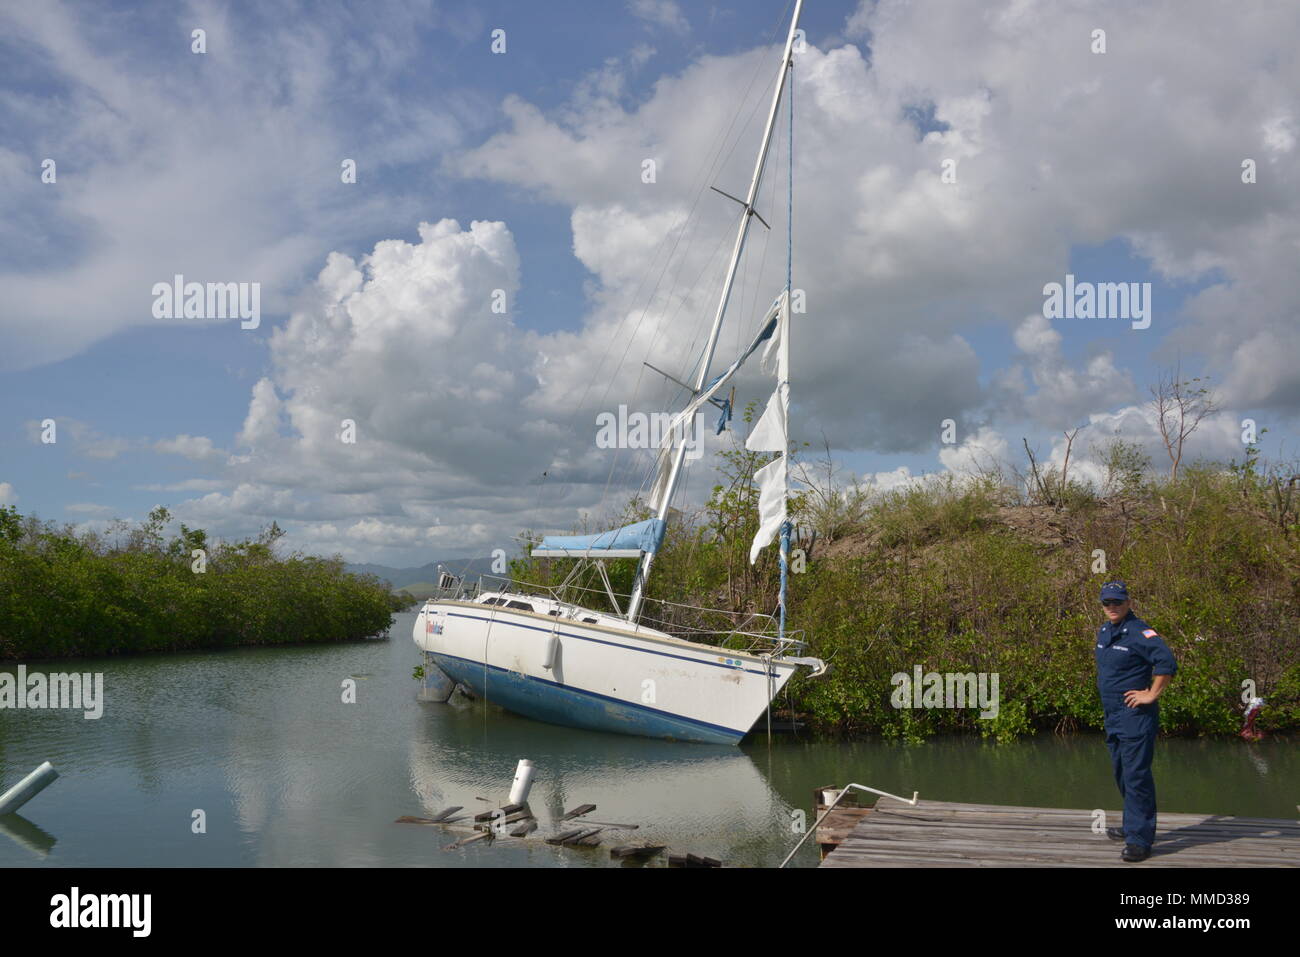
(742, 231)
(784, 553)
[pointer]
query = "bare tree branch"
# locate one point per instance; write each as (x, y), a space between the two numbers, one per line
(1180, 406)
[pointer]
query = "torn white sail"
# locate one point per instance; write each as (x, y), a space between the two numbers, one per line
(771, 434)
(771, 430)
(769, 331)
(771, 480)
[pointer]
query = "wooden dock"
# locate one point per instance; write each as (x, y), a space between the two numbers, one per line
(945, 834)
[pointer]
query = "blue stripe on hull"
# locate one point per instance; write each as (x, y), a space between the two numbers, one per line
(557, 704)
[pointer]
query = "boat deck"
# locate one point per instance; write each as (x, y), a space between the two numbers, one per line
(946, 834)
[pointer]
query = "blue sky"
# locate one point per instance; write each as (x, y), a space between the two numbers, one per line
(224, 166)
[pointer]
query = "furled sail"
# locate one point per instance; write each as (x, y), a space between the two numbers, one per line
(771, 434)
(630, 541)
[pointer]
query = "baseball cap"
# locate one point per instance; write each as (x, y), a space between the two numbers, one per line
(1114, 589)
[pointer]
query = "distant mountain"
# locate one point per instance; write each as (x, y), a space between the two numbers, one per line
(402, 577)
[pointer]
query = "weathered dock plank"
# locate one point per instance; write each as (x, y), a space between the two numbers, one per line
(949, 834)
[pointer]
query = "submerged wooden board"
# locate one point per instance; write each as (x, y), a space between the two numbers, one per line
(945, 834)
(637, 850)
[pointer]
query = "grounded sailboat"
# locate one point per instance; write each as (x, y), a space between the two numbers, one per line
(554, 660)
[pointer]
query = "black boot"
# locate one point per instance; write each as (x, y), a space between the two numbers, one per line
(1134, 853)
(1115, 833)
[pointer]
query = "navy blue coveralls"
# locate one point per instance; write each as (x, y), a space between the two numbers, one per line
(1128, 653)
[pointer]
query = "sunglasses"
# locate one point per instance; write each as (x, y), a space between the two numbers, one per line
(1109, 602)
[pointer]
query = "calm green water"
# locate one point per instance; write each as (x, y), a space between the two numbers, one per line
(288, 774)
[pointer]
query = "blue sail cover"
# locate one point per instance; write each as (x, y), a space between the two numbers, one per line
(630, 541)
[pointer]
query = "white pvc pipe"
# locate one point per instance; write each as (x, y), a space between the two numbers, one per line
(27, 788)
(523, 782)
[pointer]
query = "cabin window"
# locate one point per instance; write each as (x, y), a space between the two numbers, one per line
(554, 611)
(591, 621)
(523, 605)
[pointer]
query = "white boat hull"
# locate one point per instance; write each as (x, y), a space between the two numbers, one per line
(600, 677)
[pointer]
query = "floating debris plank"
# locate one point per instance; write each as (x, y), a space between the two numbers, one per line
(573, 837)
(508, 809)
(442, 817)
(507, 819)
(578, 811)
(636, 851)
(584, 837)
(524, 829)
(482, 835)
(692, 860)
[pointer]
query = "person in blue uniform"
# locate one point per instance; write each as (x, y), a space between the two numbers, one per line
(1134, 666)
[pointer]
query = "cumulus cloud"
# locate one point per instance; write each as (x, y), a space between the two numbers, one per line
(896, 262)
(984, 451)
(469, 425)
(405, 410)
(7, 494)
(222, 167)
(1218, 439)
(395, 393)
(197, 448)
(894, 479)
(660, 13)
(862, 325)
(1065, 392)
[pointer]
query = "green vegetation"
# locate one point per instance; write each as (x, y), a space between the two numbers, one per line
(1002, 575)
(64, 594)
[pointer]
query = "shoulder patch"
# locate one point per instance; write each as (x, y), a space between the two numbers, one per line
(1150, 633)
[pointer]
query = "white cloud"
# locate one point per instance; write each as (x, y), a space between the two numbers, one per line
(1066, 392)
(661, 13)
(197, 448)
(1279, 134)
(221, 167)
(984, 451)
(7, 494)
(87, 508)
(894, 479)
(460, 410)
(187, 485)
(85, 439)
